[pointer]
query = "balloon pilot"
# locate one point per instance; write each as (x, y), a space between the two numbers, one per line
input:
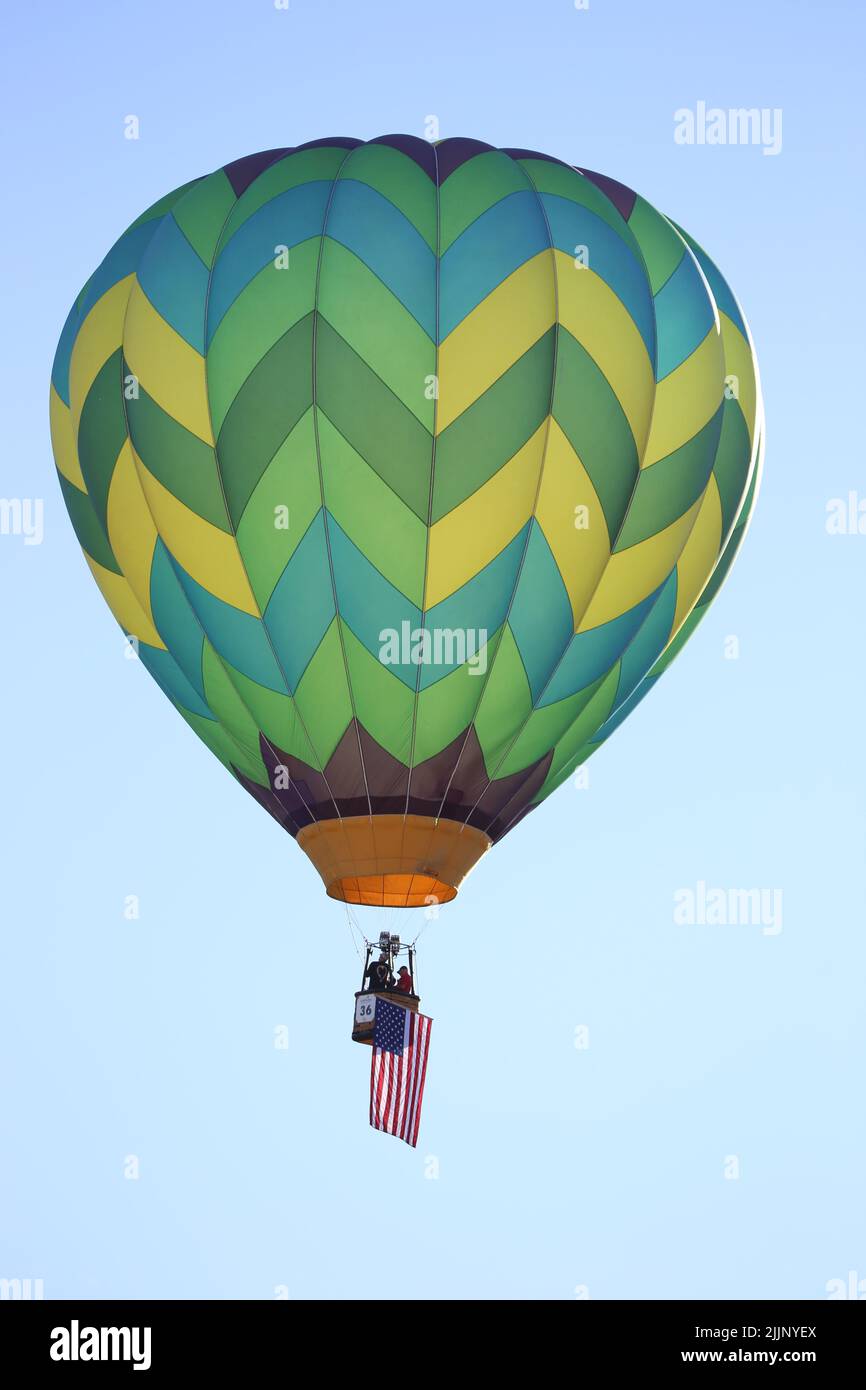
(379, 974)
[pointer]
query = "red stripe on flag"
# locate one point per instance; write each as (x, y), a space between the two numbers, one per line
(420, 1077)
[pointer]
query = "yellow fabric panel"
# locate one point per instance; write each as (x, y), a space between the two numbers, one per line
(131, 529)
(687, 399)
(740, 363)
(63, 441)
(124, 605)
(633, 574)
(170, 371)
(209, 555)
(580, 554)
(479, 529)
(98, 337)
(602, 325)
(491, 339)
(700, 554)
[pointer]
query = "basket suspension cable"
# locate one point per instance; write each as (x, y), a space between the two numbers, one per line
(413, 968)
(358, 929)
(353, 929)
(394, 946)
(422, 931)
(352, 939)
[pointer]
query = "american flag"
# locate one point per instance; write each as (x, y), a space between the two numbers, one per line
(401, 1041)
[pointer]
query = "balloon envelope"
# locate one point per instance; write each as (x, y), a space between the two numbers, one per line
(409, 467)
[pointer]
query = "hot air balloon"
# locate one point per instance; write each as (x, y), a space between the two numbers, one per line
(409, 467)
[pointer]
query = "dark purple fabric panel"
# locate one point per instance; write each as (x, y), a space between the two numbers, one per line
(535, 154)
(242, 172)
(623, 198)
(450, 154)
(420, 150)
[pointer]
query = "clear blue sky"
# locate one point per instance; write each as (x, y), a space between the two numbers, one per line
(558, 1167)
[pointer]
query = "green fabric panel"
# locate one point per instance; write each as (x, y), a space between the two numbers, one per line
(224, 746)
(102, 433)
(265, 410)
(304, 166)
(290, 480)
(714, 583)
(384, 705)
(553, 781)
(474, 187)
(261, 315)
(378, 328)
(391, 536)
(277, 716)
(545, 727)
(589, 414)
(181, 461)
(201, 213)
(732, 461)
(91, 536)
(494, 428)
(448, 706)
(375, 422)
(322, 696)
(158, 209)
(752, 493)
(588, 721)
(221, 684)
(399, 179)
(506, 702)
(661, 252)
(667, 489)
